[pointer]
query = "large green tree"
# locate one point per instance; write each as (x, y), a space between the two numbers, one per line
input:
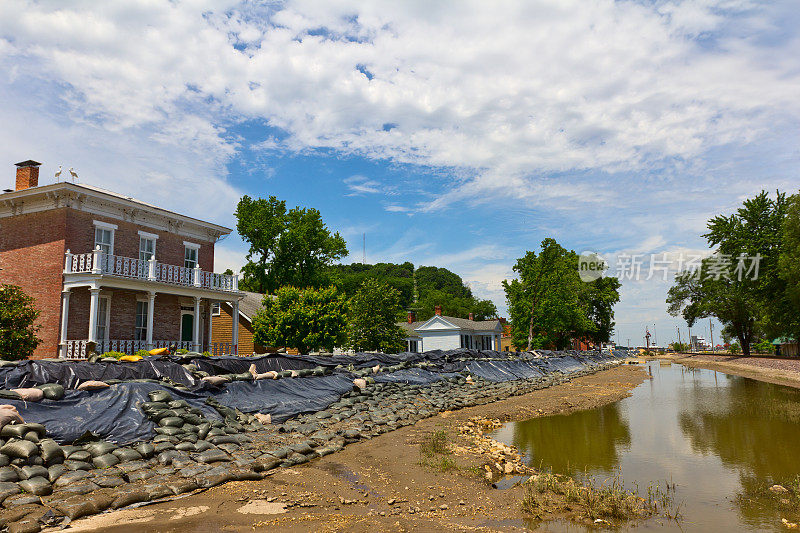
(372, 319)
(789, 270)
(549, 304)
(739, 283)
(291, 247)
(17, 324)
(305, 319)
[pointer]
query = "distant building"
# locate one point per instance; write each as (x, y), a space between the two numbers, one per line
(786, 346)
(506, 339)
(699, 344)
(441, 332)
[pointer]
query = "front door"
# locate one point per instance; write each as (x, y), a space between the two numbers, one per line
(187, 327)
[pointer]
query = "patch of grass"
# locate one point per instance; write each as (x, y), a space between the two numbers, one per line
(609, 500)
(435, 444)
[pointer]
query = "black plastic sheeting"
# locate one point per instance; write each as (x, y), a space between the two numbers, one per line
(70, 374)
(285, 398)
(111, 413)
(114, 413)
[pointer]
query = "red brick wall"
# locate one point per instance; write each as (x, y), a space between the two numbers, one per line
(169, 247)
(32, 250)
(32, 256)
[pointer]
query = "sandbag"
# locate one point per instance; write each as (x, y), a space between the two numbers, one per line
(19, 448)
(96, 449)
(264, 419)
(131, 358)
(93, 385)
(51, 451)
(145, 449)
(159, 351)
(30, 395)
(9, 415)
(37, 485)
(217, 381)
(52, 391)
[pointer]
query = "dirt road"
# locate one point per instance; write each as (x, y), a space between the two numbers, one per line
(376, 485)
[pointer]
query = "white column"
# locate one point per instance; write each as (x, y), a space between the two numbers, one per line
(210, 325)
(151, 305)
(97, 256)
(198, 280)
(64, 322)
(235, 328)
(196, 325)
(67, 262)
(94, 304)
(151, 268)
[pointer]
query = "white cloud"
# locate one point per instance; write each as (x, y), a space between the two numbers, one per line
(511, 91)
(360, 185)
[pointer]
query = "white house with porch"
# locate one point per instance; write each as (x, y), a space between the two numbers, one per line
(441, 332)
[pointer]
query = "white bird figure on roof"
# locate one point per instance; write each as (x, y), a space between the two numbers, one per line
(58, 174)
(73, 174)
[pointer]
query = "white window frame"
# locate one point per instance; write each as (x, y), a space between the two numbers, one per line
(216, 308)
(144, 236)
(145, 304)
(191, 246)
(111, 228)
(107, 335)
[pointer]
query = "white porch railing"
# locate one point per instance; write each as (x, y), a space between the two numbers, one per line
(99, 263)
(76, 349)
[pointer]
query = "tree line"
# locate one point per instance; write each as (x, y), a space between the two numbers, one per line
(314, 303)
(751, 280)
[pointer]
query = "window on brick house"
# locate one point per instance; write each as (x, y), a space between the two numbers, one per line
(215, 309)
(147, 248)
(104, 238)
(103, 312)
(141, 321)
(190, 256)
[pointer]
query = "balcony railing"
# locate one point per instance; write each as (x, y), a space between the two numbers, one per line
(101, 263)
(76, 349)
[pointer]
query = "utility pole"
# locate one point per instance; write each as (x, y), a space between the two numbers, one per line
(364, 250)
(679, 334)
(691, 347)
(711, 330)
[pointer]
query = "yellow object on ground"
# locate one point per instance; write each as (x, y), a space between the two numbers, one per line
(159, 351)
(131, 358)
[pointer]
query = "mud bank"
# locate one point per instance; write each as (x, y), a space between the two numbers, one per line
(382, 484)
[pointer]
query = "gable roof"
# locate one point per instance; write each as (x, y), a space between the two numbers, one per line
(249, 305)
(459, 323)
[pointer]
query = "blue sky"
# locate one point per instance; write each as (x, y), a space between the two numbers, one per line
(457, 134)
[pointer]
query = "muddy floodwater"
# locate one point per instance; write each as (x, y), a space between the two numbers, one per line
(721, 439)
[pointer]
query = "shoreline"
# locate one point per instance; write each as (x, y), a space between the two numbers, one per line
(728, 365)
(381, 484)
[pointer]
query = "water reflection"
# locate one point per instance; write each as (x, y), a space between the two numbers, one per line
(592, 441)
(721, 438)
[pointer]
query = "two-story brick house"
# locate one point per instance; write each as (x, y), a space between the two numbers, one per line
(108, 268)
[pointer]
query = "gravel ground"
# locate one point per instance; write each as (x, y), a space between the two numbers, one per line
(782, 371)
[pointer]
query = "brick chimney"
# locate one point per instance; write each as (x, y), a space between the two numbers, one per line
(471, 316)
(27, 174)
(412, 316)
(438, 310)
